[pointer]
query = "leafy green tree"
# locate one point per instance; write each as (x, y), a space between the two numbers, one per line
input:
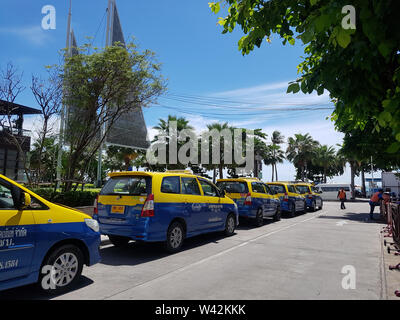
(122, 158)
(325, 157)
(43, 160)
(277, 154)
(222, 163)
(102, 86)
(358, 64)
(163, 128)
(300, 151)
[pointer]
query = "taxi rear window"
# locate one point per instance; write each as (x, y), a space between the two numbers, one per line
(129, 186)
(291, 189)
(302, 189)
(233, 186)
(278, 188)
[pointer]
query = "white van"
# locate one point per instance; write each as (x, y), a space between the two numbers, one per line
(329, 191)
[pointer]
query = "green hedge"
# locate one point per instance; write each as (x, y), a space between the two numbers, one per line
(69, 198)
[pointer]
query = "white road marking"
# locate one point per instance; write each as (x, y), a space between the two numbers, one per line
(341, 223)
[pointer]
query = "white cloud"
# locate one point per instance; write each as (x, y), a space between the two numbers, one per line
(33, 34)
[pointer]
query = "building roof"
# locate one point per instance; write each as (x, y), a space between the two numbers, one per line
(15, 109)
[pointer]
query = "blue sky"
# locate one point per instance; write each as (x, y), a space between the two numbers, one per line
(196, 59)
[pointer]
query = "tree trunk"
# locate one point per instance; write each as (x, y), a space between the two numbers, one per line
(272, 165)
(221, 172)
(276, 172)
(363, 191)
(352, 179)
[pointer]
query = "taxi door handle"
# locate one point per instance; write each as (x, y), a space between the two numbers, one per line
(50, 221)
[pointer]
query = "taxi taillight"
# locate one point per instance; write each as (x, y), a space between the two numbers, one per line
(286, 197)
(247, 201)
(95, 209)
(148, 207)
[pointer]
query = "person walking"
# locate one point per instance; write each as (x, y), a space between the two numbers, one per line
(375, 201)
(342, 197)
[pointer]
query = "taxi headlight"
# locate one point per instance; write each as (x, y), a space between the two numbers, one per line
(92, 224)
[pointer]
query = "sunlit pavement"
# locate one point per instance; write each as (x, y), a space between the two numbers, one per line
(327, 254)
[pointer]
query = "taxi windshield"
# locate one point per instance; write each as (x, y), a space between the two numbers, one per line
(303, 189)
(132, 186)
(233, 186)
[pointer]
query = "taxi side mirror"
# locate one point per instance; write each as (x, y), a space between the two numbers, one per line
(25, 200)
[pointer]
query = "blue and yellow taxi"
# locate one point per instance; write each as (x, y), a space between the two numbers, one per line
(42, 242)
(162, 207)
(313, 199)
(290, 199)
(253, 198)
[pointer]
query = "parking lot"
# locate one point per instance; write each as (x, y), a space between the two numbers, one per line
(295, 258)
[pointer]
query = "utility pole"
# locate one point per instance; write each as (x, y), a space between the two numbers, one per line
(63, 109)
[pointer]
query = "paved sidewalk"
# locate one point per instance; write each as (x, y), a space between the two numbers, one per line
(295, 258)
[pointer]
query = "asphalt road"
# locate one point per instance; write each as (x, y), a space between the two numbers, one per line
(296, 258)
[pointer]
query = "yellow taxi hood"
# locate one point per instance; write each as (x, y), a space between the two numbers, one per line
(62, 210)
(72, 210)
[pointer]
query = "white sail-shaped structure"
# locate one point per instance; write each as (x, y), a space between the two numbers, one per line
(130, 129)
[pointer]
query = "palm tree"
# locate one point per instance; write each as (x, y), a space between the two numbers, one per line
(219, 127)
(277, 154)
(325, 157)
(301, 150)
(163, 129)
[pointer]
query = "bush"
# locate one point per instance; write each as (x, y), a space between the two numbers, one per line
(69, 198)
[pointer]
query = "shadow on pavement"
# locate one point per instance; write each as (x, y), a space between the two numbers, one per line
(33, 292)
(359, 217)
(248, 224)
(137, 252)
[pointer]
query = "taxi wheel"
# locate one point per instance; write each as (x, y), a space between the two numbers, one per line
(277, 216)
(292, 211)
(304, 207)
(119, 241)
(175, 236)
(259, 220)
(61, 270)
(230, 225)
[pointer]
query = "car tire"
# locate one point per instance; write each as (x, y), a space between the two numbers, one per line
(119, 241)
(322, 204)
(292, 211)
(67, 263)
(175, 237)
(313, 208)
(259, 220)
(304, 207)
(230, 225)
(278, 214)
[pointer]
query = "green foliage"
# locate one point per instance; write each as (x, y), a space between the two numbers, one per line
(102, 85)
(360, 68)
(68, 198)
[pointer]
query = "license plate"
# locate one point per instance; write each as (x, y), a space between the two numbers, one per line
(117, 209)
